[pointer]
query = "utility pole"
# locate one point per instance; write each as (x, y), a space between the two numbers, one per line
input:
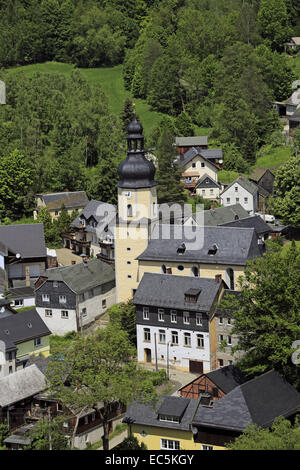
(49, 429)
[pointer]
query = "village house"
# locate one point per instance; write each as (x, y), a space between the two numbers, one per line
(213, 385)
(208, 188)
(263, 230)
(70, 298)
(93, 231)
(172, 318)
(183, 144)
(21, 335)
(76, 200)
(241, 191)
(178, 423)
(264, 178)
(23, 258)
(194, 166)
(214, 216)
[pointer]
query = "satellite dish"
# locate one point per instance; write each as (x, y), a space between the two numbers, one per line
(18, 255)
(221, 161)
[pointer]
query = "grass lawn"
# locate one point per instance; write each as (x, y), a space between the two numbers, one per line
(285, 247)
(273, 158)
(295, 63)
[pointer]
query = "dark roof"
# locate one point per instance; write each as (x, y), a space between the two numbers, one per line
(21, 292)
(190, 155)
(145, 414)
(234, 245)
(82, 276)
(207, 182)
(227, 378)
(167, 290)
(258, 173)
(221, 215)
(21, 327)
(255, 221)
(20, 385)
(173, 406)
(136, 171)
(191, 141)
(257, 401)
(71, 200)
(249, 186)
(40, 361)
(102, 213)
(295, 117)
(26, 239)
(212, 153)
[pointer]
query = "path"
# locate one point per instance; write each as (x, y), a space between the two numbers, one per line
(116, 440)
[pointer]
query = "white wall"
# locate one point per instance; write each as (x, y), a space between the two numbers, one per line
(241, 194)
(56, 324)
(182, 353)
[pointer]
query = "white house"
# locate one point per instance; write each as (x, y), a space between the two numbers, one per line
(243, 192)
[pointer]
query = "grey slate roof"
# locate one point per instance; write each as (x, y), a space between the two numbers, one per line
(167, 290)
(173, 406)
(257, 401)
(227, 378)
(100, 211)
(20, 385)
(22, 327)
(255, 221)
(258, 173)
(212, 153)
(207, 182)
(26, 239)
(71, 200)
(221, 215)
(191, 141)
(192, 153)
(145, 414)
(82, 276)
(234, 245)
(249, 186)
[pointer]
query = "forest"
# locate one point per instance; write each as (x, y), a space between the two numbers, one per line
(206, 63)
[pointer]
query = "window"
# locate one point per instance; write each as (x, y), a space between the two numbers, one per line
(91, 293)
(221, 321)
(161, 314)
(200, 341)
(93, 416)
(145, 313)
(171, 419)
(45, 297)
(18, 303)
(180, 267)
(128, 249)
(66, 424)
(204, 447)
(64, 314)
(129, 276)
(228, 200)
(211, 191)
(186, 318)
(193, 165)
(86, 420)
(173, 316)
(203, 191)
(48, 313)
(174, 335)
(228, 321)
(195, 271)
(55, 284)
(56, 213)
(202, 165)
(128, 194)
(229, 340)
(245, 200)
(236, 188)
(169, 444)
(129, 210)
(104, 303)
(37, 341)
(187, 339)
(10, 370)
(81, 297)
(147, 335)
(62, 299)
(230, 363)
(220, 362)
(128, 262)
(83, 312)
(163, 269)
(162, 336)
(198, 320)
(221, 338)
(181, 249)
(237, 199)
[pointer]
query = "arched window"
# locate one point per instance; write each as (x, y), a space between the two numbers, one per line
(195, 271)
(129, 210)
(163, 269)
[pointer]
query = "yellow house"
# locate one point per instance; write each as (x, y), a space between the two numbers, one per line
(76, 200)
(194, 166)
(208, 188)
(22, 335)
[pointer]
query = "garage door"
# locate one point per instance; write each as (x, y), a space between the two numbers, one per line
(196, 367)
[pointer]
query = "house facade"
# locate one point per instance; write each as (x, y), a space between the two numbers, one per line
(194, 166)
(241, 191)
(76, 200)
(70, 298)
(208, 188)
(93, 232)
(172, 317)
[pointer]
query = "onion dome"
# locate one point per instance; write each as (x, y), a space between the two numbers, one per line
(136, 171)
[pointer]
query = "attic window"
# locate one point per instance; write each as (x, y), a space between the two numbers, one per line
(191, 296)
(181, 249)
(29, 325)
(171, 419)
(213, 249)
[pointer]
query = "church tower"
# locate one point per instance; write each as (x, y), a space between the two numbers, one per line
(137, 209)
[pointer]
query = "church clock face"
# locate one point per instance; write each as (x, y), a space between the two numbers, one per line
(128, 194)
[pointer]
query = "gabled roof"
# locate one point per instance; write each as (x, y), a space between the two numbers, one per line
(168, 290)
(257, 401)
(221, 215)
(234, 245)
(249, 186)
(191, 154)
(173, 406)
(15, 329)
(82, 276)
(207, 182)
(20, 385)
(227, 378)
(191, 141)
(71, 200)
(258, 173)
(254, 221)
(145, 414)
(102, 212)
(26, 239)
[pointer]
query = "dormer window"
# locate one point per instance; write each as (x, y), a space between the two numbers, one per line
(170, 419)
(181, 249)
(191, 296)
(213, 249)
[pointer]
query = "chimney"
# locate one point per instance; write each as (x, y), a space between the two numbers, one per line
(218, 278)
